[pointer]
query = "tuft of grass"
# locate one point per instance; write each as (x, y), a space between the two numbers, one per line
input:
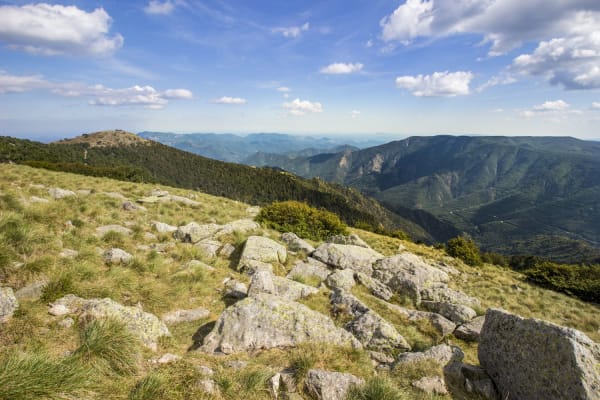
(106, 344)
(254, 381)
(151, 387)
(114, 239)
(17, 233)
(376, 388)
(36, 376)
(59, 287)
(301, 362)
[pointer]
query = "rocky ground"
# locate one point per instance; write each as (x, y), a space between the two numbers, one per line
(226, 309)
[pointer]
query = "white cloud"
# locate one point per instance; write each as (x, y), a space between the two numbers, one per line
(161, 8)
(292, 31)
(503, 79)
(355, 114)
(341, 68)
(446, 83)
(229, 100)
(596, 105)
(284, 89)
(55, 29)
(301, 107)
(506, 24)
(552, 108)
(557, 105)
(145, 96)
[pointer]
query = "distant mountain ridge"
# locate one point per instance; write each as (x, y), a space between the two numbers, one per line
(541, 193)
(235, 148)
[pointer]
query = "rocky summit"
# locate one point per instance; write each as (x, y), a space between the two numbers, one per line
(195, 299)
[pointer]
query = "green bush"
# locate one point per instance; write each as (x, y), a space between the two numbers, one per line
(302, 219)
(464, 249)
(36, 376)
(582, 281)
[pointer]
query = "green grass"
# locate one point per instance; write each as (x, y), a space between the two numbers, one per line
(377, 388)
(151, 387)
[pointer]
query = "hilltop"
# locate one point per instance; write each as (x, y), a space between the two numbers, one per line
(110, 138)
(189, 306)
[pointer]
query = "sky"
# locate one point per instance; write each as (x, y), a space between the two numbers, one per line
(336, 67)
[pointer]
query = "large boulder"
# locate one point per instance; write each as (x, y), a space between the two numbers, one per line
(261, 282)
(342, 256)
(209, 248)
(377, 288)
(534, 359)
(328, 385)
(456, 313)
(147, 327)
(471, 379)
(341, 279)
(471, 330)
(116, 256)
(8, 304)
(292, 290)
(259, 248)
(194, 232)
(294, 243)
(408, 274)
(375, 333)
(309, 268)
(266, 321)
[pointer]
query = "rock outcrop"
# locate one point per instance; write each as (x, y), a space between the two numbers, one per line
(258, 248)
(8, 304)
(309, 268)
(266, 321)
(534, 359)
(294, 243)
(341, 279)
(471, 330)
(327, 385)
(342, 256)
(456, 313)
(352, 239)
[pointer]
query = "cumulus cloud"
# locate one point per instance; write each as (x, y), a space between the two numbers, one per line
(596, 105)
(55, 29)
(552, 108)
(302, 107)
(145, 96)
(229, 100)
(505, 24)
(292, 31)
(160, 8)
(341, 68)
(448, 84)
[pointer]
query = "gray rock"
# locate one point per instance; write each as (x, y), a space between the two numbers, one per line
(471, 379)
(147, 327)
(377, 288)
(242, 226)
(227, 250)
(131, 206)
(341, 279)
(294, 243)
(534, 359)
(375, 333)
(158, 193)
(116, 256)
(194, 265)
(193, 232)
(58, 193)
(347, 256)
(327, 385)
(447, 295)
(431, 384)
(344, 302)
(167, 358)
(267, 321)
(235, 289)
(33, 291)
(470, 331)
(261, 282)
(262, 249)
(208, 386)
(35, 199)
(8, 304)
(236, 364)
(103, 230)
(442, 354)
(184, 200)
(352, 239)
(253, 266)
(161, 227)
(209, 247)
(309, 268)
(408, 274)
(68, 253)
(58, 310)
(66, 323)
(443, 325)
(178, 316)
(456, 313)
(381, 358)
(205, 371)
(292, 290)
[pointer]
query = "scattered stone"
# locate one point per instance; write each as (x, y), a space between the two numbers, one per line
(236, 364)
(262, 249)
(241, 225)
(209, 247)
(327, 385)
(167, 358)
(58, 310)
(471, 379)
(375, 333)
(447, 295)
(208, 386)
(115, 195)
(68, 253)
(341, 279)
(471, 330)
(193, 232)
(131, 206)
(309, 268)
(58, 193)
(442, 354)
(535, 359)
(161, 227)
(292, 290)
(442, 324)
(253, 266)
(456, 313)
(8, 304)
(147, 327)
(205, 371)
(103, 230)
(35, 199)
(116, 256)
(66, 323)
(351, 239)
(342, 256)
(37, 186)
(33, 291)
(184, 200)
(178, 316)
(235, 289)
(227, 250)
(162, 247)
(344, 302)
(294, 243)
(431, 385)
(274, 384)
(262, 282)
(377, 288)
(266, 321)
(195, 264)
(408, 274)
(158, 193)
(380, 357)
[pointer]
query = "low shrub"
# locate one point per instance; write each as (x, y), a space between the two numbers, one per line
(302, 219)
(464, 249)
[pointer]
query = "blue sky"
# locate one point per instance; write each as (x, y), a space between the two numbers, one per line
(346, 67)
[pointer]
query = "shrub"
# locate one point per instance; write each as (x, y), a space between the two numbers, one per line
(377, 388)
(465, 249)
(33, 376)
(302, 219)
(582, 281)
(107, 344)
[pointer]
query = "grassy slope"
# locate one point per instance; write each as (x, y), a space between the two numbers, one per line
(150, 281)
